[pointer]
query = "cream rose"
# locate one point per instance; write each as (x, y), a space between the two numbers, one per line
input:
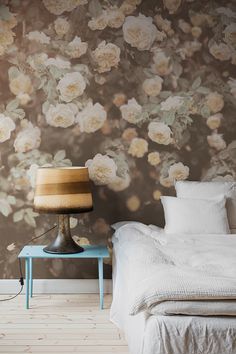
(6, 39)
(157, 194)
(115, 17)
(98, 23)
(161, 63)
(91, 118)
(76, 48)
(172, 103)
(138, 147)
(154, 158)
(58, 62)
(220, 51)
(139, 32)
(184, 26)
(131, 111)
(120, 183)
(102, 169)
(39, 37)
(133, 203)
(61, 115)
(6, 127)
(178, 171)
(106, 56)
(21, 84)
(216, 141)
(160, 133)
(71, 86)
(164, 25)
(214, 121)
(57, 7)
(166, 182)
(230, 34)
(172, 5)
(152, 87)
(215, 102)
(28, 139)
(61, 26)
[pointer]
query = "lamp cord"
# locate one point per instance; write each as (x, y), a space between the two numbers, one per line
(21, 280)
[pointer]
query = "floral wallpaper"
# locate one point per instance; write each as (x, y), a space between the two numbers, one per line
(141, 92)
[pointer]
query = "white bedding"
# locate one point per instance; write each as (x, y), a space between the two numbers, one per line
(156, 334)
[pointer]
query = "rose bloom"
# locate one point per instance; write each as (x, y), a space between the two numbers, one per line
(230, 34)
(184, 26)
(157, 194)
(115, 17)
(39, 37)
(220, 51)
(58, 62)
(98, 23)
(164, 25)
(166, 182)
(127, 7)
(72, 85)
(61, 115)
(139, 32)
(196, 31)
(154, 158)
(152, 87)
(120, 183)
(6, 38)
(61, 26)
(214, 121)
(138, 147)
(129, 134)
(189, 48)
(7, 125)
(215, 102)
(91, 118)
(76, 48)
(216, 141)
(21, 84)
(178, 171)
(172, 102)
(131, 111)
(28, 139)
(119, 99)
(172, 5)
(102, 169)
(161, 63)
(133, 203)
(106, 56)
(57, 7)
(232, 85)
(160, 133)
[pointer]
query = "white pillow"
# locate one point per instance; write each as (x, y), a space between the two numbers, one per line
(195, 216)
(206, 190)
(118, 224)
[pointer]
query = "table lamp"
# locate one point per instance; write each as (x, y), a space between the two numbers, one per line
(63, 191)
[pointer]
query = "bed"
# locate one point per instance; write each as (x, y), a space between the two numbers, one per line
(155, 325)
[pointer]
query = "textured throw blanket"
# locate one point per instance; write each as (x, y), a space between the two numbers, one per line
(179, 274)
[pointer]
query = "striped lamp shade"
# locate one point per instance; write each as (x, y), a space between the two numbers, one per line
(63, 190)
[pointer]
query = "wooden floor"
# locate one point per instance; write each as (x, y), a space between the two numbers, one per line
(60, 324)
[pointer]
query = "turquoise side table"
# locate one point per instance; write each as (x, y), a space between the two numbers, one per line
(31, 252)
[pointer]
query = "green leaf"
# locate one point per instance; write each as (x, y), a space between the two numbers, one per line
(203, 90)
(12, 105)
(18, 113)
(18, 215)
(13, 72)
(60, 155)
(5, 14)
(168, 117)
(11, 199)
(196, 83)
(29, 220)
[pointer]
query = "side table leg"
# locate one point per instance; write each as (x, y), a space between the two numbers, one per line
(27, 282)
(100, 275)
(31, 277)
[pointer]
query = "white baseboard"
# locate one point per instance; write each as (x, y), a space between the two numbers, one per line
(57, 286)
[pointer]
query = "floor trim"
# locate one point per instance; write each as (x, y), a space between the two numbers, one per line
(57, 286)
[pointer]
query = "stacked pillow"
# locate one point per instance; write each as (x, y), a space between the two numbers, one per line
(201, 207)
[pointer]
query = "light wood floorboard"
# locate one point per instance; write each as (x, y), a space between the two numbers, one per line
(59, 324)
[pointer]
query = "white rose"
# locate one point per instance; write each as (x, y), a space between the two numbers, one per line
(232, 85)
(178, 171)
(58, 62)
(61, 26)
(39, 37)
(172, 102)
(216, 141)
(154, 158)
(215, 102)
(152, 87)
(230, 34)
(106, 56)
(76, 48)
(91, 118)
(21, 84)
(6, 39)
(115, 17)
(172, 5)
(161, 63)
(214, 121)
(139, 32)
(57, 7)
(184, 26)
(28, 139)
(72, 85)
(102, 169)
(131, 111)
(98, 23)
(23, 98)
(138, 147)
(6, 127)
(120, 183)
(220, 51)
(62, 115)
(160, 133)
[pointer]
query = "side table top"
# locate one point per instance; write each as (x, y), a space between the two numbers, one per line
(90, 251)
